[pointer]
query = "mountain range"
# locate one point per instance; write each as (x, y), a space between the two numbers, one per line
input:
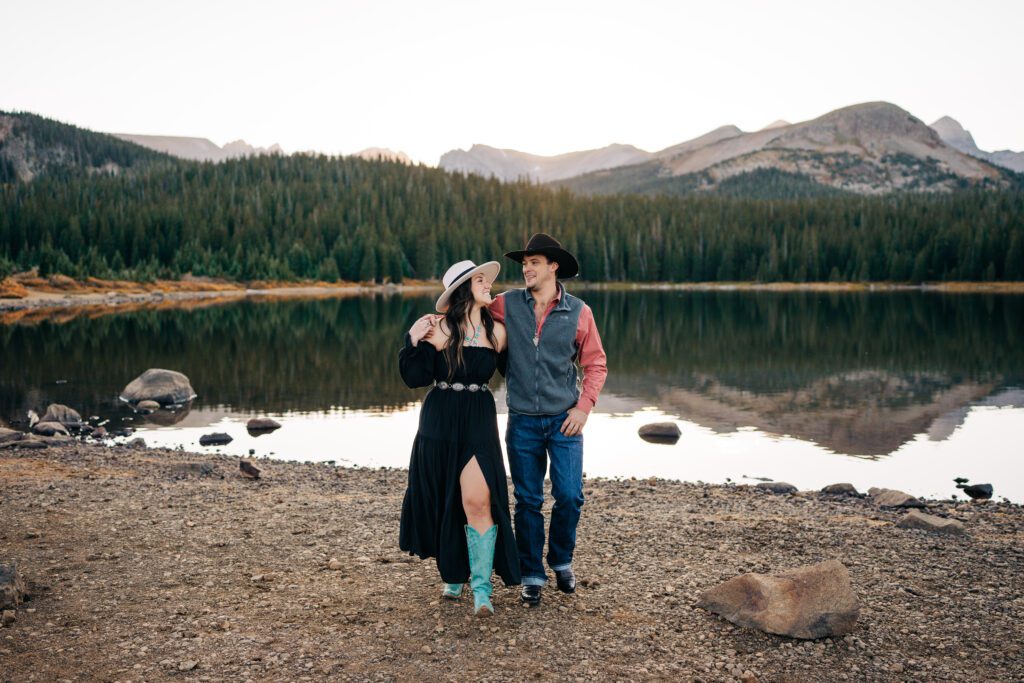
(197, 149)
(870, 148)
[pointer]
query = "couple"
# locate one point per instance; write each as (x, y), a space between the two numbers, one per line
(456, 503)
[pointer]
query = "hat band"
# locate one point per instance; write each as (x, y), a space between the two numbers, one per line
(467, 270)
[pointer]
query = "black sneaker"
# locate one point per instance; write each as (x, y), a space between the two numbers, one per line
(566, 580)
(530, 595)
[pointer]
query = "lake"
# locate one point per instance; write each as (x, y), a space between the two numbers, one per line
(897, 389)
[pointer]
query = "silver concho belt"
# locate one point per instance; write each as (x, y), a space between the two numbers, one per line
(459, 386)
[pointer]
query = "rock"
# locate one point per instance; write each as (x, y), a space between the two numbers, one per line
(27, 442)
(426, 650)
(138, 443)
(262, 425)
(335, 564)
(12, 587)
(99, 433)
(978, 491)
(777, 487)
(203, 469)
(814, 601)
(840, 490)
(247, 469)
(50, 428)
(215, 439)
(162, 386)
(8, 617)
(147, 406)
(56, 412)
(10, 435)
(660, 432)
(893, 499)
(188, 665)
(916, 519)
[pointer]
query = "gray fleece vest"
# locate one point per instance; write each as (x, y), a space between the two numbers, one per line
(541, 377)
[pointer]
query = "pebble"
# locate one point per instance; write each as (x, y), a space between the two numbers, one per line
(426, 650)
(188, 665)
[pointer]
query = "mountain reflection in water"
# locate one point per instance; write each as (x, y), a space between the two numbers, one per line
(856, 373)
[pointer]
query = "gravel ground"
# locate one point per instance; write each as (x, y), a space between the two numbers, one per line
(142, 567)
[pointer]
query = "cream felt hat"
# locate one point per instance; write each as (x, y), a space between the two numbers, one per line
(459, 273)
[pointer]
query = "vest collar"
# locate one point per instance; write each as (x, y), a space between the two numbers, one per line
(561, 304)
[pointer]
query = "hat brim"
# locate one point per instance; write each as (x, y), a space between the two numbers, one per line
(490, 270)
(567, 265)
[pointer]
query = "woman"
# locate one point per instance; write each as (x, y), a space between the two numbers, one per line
(456, 504)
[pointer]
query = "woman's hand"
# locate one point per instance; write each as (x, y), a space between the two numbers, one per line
(422, 328)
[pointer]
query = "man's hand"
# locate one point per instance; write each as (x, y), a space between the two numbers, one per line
(573, 424)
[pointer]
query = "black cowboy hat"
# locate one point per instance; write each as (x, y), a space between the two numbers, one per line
(546, 245)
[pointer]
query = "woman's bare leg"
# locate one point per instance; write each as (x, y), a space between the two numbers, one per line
(476, 497)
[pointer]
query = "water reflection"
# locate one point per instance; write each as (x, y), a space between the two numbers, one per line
(856, 373)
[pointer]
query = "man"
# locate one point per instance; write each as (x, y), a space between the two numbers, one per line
(549, 330)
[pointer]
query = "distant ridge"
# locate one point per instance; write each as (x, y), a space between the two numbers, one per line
(383, 154)
(31, 145)
(510, 165)
(197, 149)
(950, 130)
(870, 148)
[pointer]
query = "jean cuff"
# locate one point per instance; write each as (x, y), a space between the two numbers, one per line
(558, 568)
(535, 580)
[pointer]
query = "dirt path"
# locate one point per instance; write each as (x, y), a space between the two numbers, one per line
(143, 568)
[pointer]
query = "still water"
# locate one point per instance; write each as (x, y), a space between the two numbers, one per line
(904, 390)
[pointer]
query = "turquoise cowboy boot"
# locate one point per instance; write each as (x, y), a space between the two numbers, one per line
(452, 591)
(481, 563)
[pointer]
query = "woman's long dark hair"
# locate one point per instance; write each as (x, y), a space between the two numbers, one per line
(459, 305)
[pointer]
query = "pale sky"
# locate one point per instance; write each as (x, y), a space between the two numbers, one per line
(428, 76)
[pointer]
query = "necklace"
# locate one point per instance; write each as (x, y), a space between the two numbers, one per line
(475, 339)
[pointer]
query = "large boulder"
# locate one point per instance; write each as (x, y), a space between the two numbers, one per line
(166, 387)
(12, 588)
(815, 601)
(843, 489)
(68, 417)
(49, 429)
(891, 498)
(777, 487)
(916, 519)
(660, 432)
(10, 435)
(215, 439)
(262, 425)
(978, 491)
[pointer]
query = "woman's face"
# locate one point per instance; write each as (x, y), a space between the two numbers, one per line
(481, 288)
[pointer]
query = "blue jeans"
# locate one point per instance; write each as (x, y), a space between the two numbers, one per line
(530, 440)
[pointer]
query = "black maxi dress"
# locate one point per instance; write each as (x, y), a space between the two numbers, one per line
(454, 426)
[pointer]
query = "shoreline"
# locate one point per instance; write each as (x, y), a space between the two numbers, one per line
(154, 564)
(123, 295)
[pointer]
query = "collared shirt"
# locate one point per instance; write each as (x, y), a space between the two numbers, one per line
(590, 353)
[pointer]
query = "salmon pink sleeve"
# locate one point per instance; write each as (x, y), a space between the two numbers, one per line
(497, 308)
(592, 359)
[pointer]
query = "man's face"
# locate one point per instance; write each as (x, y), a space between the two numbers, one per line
(538, 271)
